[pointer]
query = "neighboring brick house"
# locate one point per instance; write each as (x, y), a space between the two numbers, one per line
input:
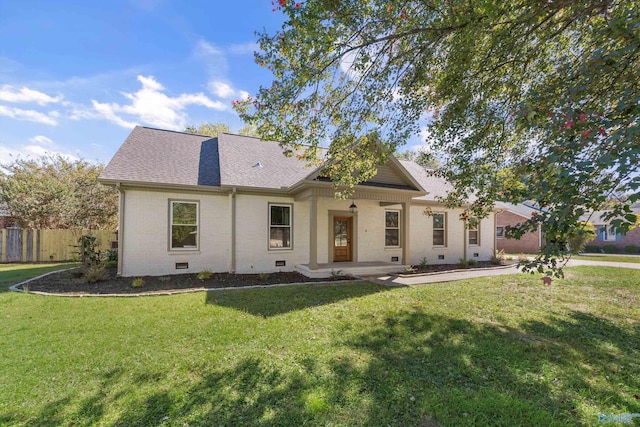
(510, 215)
(609, 235)
(6, 220)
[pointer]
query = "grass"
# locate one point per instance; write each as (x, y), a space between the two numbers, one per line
(10, 274)
(504, 350)
(610, 258)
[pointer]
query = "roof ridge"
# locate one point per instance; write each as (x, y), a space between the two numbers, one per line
(175, 131)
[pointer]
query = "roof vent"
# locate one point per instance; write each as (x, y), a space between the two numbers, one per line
(257, 165)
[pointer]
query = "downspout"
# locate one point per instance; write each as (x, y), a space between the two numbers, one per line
(232, 195)
(121, 206)
(464, 239)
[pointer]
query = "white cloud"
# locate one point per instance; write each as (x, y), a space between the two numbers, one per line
(41, 139)
(225, 91)
(9, 93)
(150, 105)
(243, 48)
(29, 115)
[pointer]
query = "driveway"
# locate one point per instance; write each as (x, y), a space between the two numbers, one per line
(485, 272)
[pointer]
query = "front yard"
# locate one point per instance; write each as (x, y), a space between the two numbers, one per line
(503, 350)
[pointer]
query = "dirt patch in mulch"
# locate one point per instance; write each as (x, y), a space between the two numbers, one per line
(72, 282)
(438, 268)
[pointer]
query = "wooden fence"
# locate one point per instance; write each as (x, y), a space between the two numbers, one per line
(47, 245)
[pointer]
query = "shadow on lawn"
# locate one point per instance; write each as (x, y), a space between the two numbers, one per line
(268, 302)
(407, 370)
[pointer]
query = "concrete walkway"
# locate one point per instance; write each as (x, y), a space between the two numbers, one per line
(482, 272)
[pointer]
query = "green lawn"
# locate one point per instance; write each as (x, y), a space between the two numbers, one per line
(10, 274)
(505, 350)
(610, 258)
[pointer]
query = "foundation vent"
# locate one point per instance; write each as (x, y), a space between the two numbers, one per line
(440, 256)
(182, 265)
(281, 263)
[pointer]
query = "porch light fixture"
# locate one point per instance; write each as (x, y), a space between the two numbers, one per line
(353, 208)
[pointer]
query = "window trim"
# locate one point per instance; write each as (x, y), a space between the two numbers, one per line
(501, 235)
(607, 235)
(444, 229)
(476, 229)
(399, 228)
(269, 225)
(171, 224)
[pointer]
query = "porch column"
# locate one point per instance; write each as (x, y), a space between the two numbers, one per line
(406, 226)
(313, 233)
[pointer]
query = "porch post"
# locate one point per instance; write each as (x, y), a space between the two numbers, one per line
(313, 233)
(406, 222)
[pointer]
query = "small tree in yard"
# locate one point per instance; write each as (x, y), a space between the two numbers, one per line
(578, 240)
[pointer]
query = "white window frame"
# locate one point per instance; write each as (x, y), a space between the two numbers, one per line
(444, 229)
(501, 234)
(197, 225)
(399, 228)
(476, 229)
(290, 226)
(610, 233)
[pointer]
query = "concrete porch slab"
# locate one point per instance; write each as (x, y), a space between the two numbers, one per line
(371, 268)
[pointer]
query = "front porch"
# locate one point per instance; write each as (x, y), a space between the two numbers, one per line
(368, 268)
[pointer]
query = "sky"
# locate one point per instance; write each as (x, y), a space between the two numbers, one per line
(77, 76)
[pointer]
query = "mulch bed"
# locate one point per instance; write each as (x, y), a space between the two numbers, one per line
(71, 282)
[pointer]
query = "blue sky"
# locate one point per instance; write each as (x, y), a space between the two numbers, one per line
(76, 76)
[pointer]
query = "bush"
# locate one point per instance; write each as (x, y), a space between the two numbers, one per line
(463, 263)
(472, 262)
(610, 249)
(594, 249)
(423, 262)
(204, 275)
(522, 258)
(498, 258)
(94, 273)
(137, 282)
(631, 249)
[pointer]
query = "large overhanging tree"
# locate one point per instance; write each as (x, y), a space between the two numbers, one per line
(533, 99)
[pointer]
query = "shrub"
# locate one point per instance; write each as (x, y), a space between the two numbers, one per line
(472, 262)
(631, 249)
(94, 273)
(463, 263)
(204, 275)
(610, 249)
(137, 282)
(523, 258)
(423, 262)
(263, 276)
(87, 250)
(594, 249)
(586, 233)
(111, 264)
(498, 258)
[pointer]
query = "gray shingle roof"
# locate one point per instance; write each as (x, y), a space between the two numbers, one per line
(434, 185)
(239, 156)
(165, 157)
(155, 156)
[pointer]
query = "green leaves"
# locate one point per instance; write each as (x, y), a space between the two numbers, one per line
(53, 192)
(521, 99)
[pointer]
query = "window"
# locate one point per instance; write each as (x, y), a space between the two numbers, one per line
(184, 225)
(474, 233)
(279, 226)
(499, 232)
(608, 233)
(439, 229)
(392, 228)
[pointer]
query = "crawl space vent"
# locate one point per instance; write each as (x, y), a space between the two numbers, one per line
(440, 256)
(182, 265)
(281, 263)
(475, 254)
(394, 259)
